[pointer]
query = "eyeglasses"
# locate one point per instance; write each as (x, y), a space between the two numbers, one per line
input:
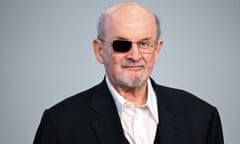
(123, 46)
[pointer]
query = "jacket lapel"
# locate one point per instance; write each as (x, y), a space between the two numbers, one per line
(106, 122)
(168, 130)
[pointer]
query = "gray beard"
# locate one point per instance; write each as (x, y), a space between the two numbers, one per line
(137, 82)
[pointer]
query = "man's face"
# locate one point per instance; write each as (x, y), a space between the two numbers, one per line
(132, 68)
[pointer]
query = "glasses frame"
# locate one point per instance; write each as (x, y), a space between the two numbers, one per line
(153, 46)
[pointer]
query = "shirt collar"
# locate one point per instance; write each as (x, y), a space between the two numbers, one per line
(151, 99)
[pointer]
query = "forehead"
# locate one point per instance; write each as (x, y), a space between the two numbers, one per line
(130, 21)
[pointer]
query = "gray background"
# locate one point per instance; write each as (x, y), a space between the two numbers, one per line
(46, 55)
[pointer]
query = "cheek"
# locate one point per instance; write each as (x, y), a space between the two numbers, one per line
(112, 62)
(150, 61)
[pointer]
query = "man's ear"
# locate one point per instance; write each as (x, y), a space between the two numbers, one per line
(98, 50)
(157, 51)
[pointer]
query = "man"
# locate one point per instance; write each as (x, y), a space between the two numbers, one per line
(128, 106)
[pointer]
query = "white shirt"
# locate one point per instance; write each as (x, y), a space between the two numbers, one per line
(139, 122)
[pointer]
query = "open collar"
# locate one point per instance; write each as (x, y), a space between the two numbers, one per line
(119, 100)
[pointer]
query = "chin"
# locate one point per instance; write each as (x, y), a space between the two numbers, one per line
(135, 81)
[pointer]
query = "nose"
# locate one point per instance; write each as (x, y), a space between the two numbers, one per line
(134, 53)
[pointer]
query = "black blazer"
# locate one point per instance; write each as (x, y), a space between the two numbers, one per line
(91, 117)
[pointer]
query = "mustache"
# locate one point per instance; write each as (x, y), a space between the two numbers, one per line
(132, 63)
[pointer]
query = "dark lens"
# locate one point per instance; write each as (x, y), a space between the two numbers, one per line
(121, 46)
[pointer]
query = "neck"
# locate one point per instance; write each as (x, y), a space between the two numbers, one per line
(135, 95)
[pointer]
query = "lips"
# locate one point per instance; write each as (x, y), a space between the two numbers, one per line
(133, 67)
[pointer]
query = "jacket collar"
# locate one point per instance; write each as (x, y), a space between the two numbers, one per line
(106, 123)
(168, 130)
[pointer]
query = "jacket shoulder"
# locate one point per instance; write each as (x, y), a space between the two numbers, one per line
(75, 103)
(178, 99)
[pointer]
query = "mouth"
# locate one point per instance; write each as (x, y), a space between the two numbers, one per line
(133, 67)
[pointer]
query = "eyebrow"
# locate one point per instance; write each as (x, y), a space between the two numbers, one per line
(122, 38)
